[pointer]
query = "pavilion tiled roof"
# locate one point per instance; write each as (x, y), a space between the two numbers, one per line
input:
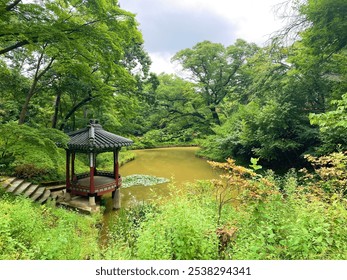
(95, 138)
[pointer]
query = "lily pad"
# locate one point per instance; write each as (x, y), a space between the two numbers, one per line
(142, 180)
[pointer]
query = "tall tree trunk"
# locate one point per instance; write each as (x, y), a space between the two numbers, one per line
(215, 115)
(56, 110)
(32, 90)
(25, 106)
(73, 121)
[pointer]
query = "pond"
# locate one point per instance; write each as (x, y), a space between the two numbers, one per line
(178, 164)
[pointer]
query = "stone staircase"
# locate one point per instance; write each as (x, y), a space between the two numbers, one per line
(41, 194)
(35, 192)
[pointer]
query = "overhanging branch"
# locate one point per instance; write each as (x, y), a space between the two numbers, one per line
(11, 6)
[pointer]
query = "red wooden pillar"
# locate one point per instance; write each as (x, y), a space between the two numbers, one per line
(94, 164)
(73, 155)
(116, 192)
(68, 182)
(116, 166)
(92, 169)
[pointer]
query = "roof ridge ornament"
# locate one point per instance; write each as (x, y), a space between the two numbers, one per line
(93, 121)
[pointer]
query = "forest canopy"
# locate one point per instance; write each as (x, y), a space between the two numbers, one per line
(65, 62)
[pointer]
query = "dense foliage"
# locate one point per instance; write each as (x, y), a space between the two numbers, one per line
(276, 103)
(32, 153)
(279, 106)
(63, 61)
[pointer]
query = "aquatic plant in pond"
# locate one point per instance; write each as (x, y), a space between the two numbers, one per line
(142, 180)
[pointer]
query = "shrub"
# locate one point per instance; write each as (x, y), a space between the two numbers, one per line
(30, 172)
(26, 148)
(123, 230)
(329, 173)
(182, 231)
(277, 218)
(32, 231)
(290, 226)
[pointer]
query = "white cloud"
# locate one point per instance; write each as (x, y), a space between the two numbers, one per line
(254, 20)
(171, 25)
(161, 63)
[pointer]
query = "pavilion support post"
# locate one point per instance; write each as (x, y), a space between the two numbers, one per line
(92, 200)
(91, 182)
(116, 199)
(116, 192)
(116, 166)
(73, 165)
(68, 182)
(94, 165)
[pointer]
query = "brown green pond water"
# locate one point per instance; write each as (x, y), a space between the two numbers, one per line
(179, 164)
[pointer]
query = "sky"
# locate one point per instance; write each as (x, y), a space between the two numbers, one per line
(169, 26)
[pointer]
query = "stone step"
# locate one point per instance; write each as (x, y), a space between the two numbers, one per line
(37, 194)
(56, 188)
(23, 187)
(57, 194)
(32, 189)
(14, 185)
(5, 184)
(34, 192)
(45, 196)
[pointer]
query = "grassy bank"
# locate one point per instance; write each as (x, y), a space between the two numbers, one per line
(243, 215)
(42, 232)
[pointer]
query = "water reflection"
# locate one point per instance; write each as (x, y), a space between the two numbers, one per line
(179, 164)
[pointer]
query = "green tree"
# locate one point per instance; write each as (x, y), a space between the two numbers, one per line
(13, 87)
(320, 58)
(281, 86)
(182, 111)
(55, 36)
(215, 70)
(333, 126)
(327, 33)
(170, 111)
(271, 121)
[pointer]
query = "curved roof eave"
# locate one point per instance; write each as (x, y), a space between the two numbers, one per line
(95, 138)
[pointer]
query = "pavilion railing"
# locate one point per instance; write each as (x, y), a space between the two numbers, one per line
(98, 189)
(82, 175)
(75, 186)
(104, 173)
(97, 173)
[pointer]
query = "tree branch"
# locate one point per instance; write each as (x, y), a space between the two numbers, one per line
(11, 6)
(15, 46)
(75, 108)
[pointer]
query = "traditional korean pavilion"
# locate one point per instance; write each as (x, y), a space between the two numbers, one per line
(94, 140)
